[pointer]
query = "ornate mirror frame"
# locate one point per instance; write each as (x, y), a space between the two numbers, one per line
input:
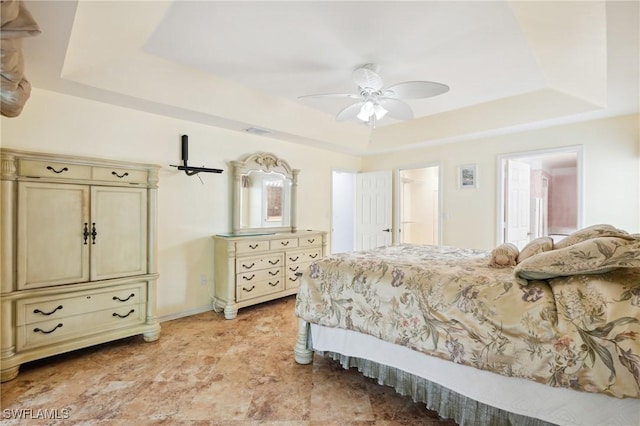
(268, 163)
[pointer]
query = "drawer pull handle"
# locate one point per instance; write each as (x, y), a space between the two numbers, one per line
(294, 279)
(120, 176)
(38, 311)
(64, 169)
(250, 278)
(293, 259)
(253, 246)
(274, 262)
(313, 256)
(85, 232)
(123, 300)
(274, 273)
(39, 330)
(293, 269)
(274, 284)
(248, 266)
(94, 233)
(284, 243)
(123, 316)
(249, 289)
(311, 241)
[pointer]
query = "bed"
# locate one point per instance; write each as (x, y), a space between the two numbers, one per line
(546, 334)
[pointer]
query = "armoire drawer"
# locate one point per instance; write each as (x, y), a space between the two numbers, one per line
(55, 169)
(43, 333)
(250, 290)
(109, 174)
(44, 308)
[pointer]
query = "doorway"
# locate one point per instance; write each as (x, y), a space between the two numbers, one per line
(343, 196)
(540, 194)
(418, 205)
(361, 210)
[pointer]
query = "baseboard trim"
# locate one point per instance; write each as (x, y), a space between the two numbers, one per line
(188, 313)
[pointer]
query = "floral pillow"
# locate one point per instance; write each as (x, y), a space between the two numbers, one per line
(504, 255)
(594, 256)
(536, 246)
(590, 232)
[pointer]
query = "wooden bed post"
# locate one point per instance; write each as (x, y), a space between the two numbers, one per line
(302, 353)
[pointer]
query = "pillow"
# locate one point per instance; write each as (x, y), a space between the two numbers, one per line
(504, 255)
(536, 246)
(593, 231)
(594, 256)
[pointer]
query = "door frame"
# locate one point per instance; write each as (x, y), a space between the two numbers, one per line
(397, 191)
(500, 213)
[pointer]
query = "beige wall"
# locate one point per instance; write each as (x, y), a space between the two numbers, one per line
(611, 173)
(189, 212)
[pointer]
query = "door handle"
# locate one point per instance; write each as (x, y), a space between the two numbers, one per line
(386, 230)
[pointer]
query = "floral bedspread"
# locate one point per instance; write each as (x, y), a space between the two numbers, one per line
(580, 332)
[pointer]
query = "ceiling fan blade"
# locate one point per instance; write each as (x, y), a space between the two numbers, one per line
(396, 108)
(416, 90)
(332, 95)
(367, 79)
(350, 112)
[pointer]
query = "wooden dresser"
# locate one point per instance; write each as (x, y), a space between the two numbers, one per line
(78, 254)
(251, 269)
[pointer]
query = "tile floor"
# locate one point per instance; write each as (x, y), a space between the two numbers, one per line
(210, 371)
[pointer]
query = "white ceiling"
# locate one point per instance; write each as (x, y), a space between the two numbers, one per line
(510, 65)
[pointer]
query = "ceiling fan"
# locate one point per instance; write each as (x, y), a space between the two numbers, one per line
(374, 101)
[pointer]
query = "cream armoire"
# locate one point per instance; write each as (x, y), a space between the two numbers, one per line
(78, 254)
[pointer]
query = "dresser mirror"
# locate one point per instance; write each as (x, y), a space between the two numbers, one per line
(264, 195)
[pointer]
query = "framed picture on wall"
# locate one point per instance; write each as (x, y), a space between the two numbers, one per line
(467, 176)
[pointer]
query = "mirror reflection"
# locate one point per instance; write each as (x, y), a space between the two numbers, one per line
(264, 194)
(265, 200)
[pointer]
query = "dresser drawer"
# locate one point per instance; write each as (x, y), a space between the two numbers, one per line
(310, 240)
(109, 174)
(294, 268)
(53, 169)
(245, 264)
(34, 310)
(301, 256)
(292, 280)
(260, 275)
(56, 330)
(246, 291)
(284, 243)
(243, 247)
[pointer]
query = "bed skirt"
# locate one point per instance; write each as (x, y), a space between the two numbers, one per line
(447, 403)
(462, 393)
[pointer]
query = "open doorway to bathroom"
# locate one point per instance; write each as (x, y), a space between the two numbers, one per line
(418, 205)
(540, 194)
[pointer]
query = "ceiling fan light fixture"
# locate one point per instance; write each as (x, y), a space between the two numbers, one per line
(379, 111)
(367, 110)
(376, 102)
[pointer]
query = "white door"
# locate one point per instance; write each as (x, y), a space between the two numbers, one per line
(517, 213)
(373, 209)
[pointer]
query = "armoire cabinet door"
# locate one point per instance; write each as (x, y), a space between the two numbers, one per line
(120, 245)
(51, 244)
